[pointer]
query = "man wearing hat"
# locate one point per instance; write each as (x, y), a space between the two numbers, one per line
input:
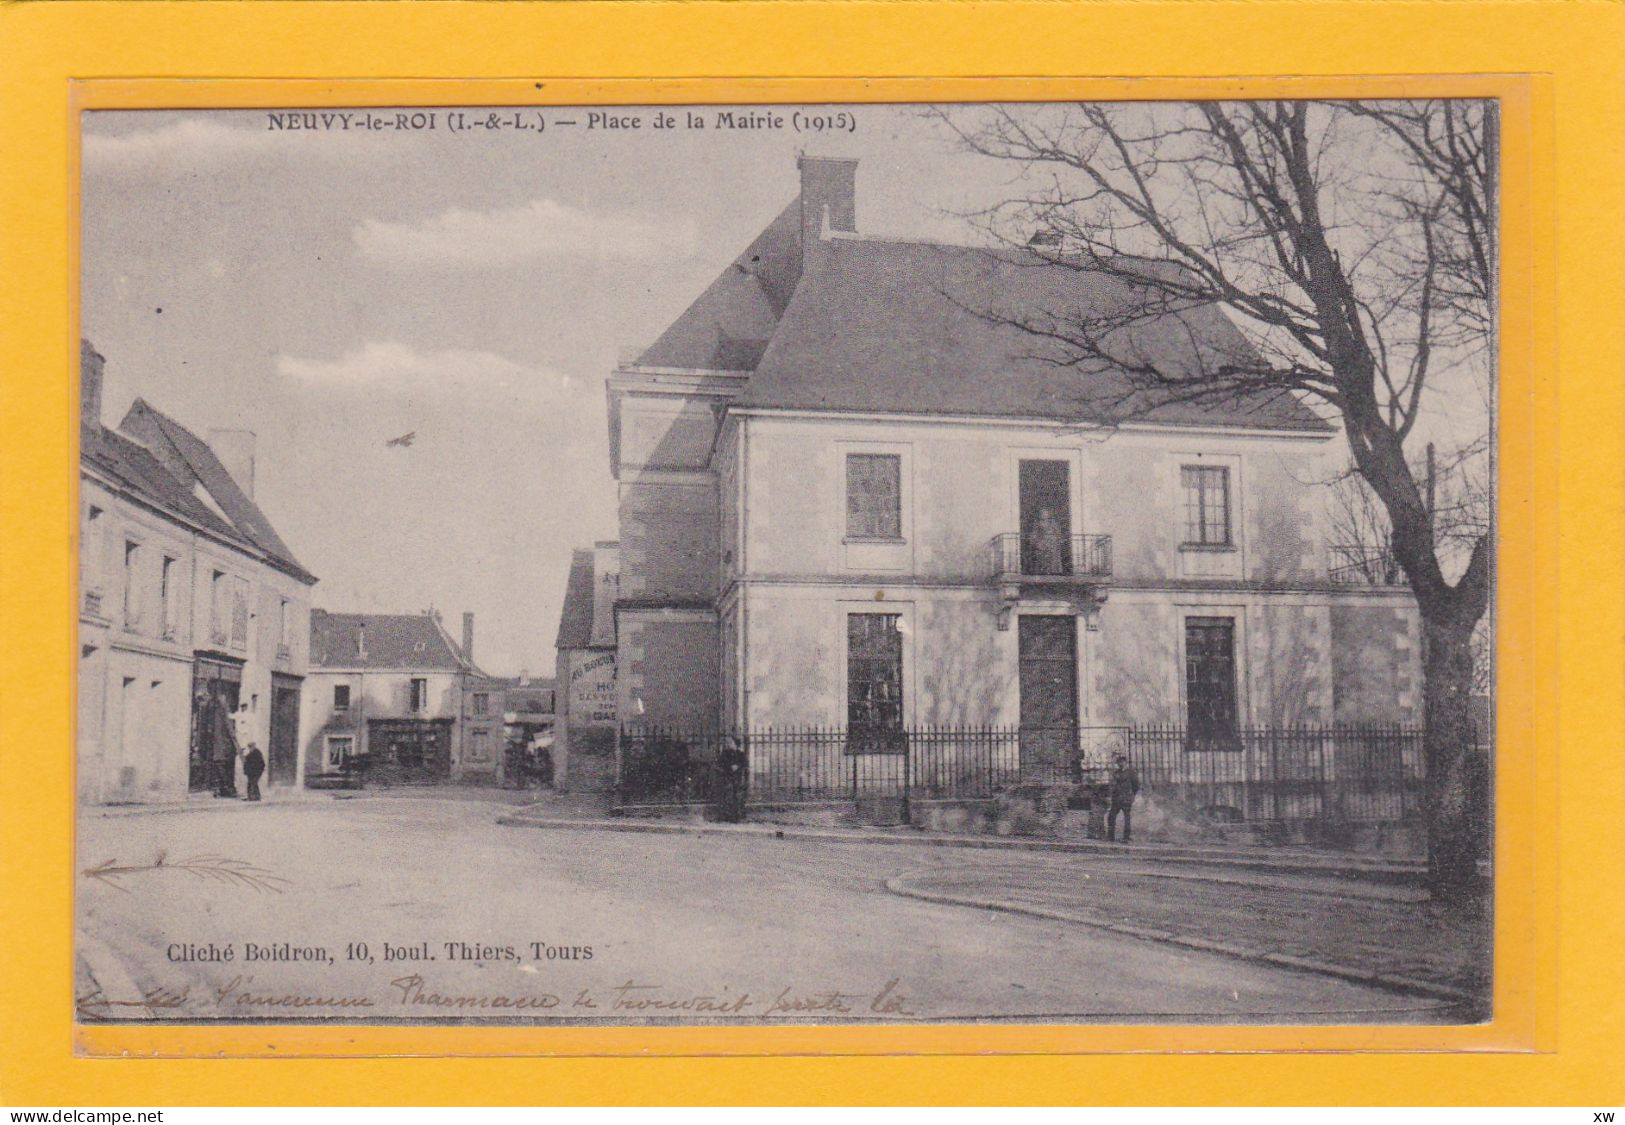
(1125, 786)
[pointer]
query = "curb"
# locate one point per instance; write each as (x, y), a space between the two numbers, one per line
(1404, 985)
(1388, 873)
(118, 812)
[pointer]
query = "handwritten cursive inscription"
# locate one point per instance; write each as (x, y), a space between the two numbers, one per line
(631, 997)
(413, 990)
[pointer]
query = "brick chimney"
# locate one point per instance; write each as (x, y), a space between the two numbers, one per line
(828, 198)
(235, 448)
(90, 384)
(468, 637)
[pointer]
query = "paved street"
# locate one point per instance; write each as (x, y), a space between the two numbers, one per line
(407, 907)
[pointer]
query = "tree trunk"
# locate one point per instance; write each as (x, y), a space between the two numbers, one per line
(1456, 810)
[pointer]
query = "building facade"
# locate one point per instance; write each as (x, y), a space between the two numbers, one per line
(586, 679)
(529, 718)
(186, 595)
(393, 696)
(855, 493)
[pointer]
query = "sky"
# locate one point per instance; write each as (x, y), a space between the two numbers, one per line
(331, 289)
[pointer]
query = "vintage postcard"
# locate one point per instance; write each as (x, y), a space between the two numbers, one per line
(791, 563)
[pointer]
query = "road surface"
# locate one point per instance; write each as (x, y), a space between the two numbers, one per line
(375, 909)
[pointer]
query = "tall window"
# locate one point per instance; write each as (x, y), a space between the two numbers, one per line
(132, 584)
(874, 501)
(1207, 505)
(478, 746)
(218, 609)
(482, 703)
(168, 595)
(284, 624)
(341, 697)
(239, 612)
(1210, 683)
(874, 680)
(92, 566)
(420, 696)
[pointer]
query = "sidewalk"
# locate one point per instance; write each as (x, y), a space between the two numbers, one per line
(207, 802)
(1405, 945)
(582, 816)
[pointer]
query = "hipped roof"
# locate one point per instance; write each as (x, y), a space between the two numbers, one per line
(921, 328)
(862, 324)
(398, 641)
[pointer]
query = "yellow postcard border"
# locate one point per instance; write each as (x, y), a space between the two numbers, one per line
(1556, 163)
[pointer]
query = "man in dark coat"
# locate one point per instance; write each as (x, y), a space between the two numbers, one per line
(253, 766)
(1125, 786)
(222, 748)
(732, 766)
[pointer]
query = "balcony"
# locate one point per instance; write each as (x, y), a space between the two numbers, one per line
(1051, 559)
(1074, 567)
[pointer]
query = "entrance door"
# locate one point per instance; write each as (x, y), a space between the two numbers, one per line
(1049, 695)
(211, 680)
(1046, 517)
(282, 766)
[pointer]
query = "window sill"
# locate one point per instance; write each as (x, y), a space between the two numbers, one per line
(1210, 548)
(891, 540)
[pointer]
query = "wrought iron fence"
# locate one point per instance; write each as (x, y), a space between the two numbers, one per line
(1353, 772)
(1362, 772)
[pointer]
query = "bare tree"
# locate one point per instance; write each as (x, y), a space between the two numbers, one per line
(1354, 244)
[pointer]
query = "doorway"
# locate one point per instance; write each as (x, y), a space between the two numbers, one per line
(1046, 517)
(213, 680)
(282, 766)
(1048, 674)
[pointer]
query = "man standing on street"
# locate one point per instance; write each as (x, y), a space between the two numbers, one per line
(732, 766)
(1125, 787)
(253, 766)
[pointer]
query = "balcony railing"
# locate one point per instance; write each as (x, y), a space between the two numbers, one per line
(1365, 566)
(1039, 557)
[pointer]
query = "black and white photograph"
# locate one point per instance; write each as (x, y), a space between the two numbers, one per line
(787, 564)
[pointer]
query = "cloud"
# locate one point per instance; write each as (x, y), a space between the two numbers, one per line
(186, 140)
(395, 368)
(542, 228)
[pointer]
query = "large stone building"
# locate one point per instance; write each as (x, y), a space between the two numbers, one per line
(186, 593)
(392, 695)
(852, 495)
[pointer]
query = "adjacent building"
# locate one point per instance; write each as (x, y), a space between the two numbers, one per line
(852, 494)
(586, 696)
(186, 594)
(393, 696)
